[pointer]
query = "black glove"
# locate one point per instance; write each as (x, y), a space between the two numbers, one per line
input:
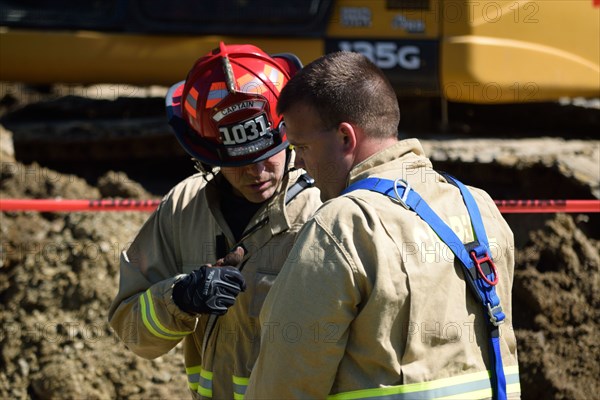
(208, 290)
(211, 289)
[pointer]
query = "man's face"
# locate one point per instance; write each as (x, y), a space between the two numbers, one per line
(320, 151)
(257, 182)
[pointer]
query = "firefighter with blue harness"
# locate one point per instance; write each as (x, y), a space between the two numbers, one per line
(399, 286)
(473, 257)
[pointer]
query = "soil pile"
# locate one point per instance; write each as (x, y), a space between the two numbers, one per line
(557, 312)
(59, 273)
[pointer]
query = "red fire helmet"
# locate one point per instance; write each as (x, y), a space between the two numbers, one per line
(223, 114)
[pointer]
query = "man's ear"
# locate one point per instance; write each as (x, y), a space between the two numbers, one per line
(348, 136)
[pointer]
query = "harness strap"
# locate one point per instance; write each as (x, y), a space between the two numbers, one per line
(479, 269)
(304, 181)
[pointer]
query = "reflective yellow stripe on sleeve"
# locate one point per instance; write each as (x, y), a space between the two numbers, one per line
(200, 380)
(239, 387)
(151, 321)
(468, 386)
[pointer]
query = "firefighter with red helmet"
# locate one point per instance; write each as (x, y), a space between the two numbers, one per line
(244, 209)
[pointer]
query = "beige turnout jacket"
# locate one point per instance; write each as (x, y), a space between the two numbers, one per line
(179, 237)
(371, 303)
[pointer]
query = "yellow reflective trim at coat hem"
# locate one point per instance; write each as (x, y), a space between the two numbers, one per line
(468, 386)
(200, 380)
(240, 384)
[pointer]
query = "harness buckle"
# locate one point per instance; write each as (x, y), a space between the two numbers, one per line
(402, 199)
(309, 180)
(485, 259)
(495, 319)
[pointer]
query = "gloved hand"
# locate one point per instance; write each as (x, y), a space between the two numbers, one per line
(211, 289)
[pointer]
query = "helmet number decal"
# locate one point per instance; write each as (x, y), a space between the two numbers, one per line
(244, 131)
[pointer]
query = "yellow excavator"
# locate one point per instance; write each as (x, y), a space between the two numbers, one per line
(443, 57)
(463, 51)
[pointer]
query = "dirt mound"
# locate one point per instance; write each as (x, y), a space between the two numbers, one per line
(557, 312)
(59, 272)
(58, 275)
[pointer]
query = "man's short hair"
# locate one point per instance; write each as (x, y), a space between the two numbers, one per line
(345, 87)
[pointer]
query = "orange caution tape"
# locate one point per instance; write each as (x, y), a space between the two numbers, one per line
(53, 205)
(548, 206)
(77, 205)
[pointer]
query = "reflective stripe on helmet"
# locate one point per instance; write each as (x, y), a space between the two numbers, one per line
(275, 76)
(217, 92)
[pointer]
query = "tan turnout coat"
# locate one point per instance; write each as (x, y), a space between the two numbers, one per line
(371, 303)
(179, 237)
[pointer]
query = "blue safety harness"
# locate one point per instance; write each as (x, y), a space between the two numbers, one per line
(479, 269)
